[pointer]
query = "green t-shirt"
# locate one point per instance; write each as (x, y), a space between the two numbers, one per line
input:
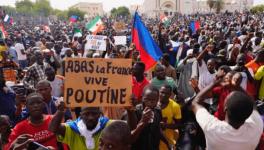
(77, 142)
(158, 83)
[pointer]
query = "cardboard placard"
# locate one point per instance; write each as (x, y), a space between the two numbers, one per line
(95, 42)
(94, 82)
(120, 40)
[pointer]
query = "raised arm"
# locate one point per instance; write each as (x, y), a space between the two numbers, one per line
(55, 125)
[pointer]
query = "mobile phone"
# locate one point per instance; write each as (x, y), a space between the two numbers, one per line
(36, 146)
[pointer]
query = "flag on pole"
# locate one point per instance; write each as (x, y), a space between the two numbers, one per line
(194, 25)
(73, 18)
(165, 20)
(95, 25)
(6, 19)
(77, 32)
(3, 33)
(149, 51)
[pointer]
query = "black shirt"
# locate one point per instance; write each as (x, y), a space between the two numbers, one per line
(149, 138)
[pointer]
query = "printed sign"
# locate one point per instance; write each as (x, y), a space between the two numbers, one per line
(97, 82)
(120, 40)
(95, 42)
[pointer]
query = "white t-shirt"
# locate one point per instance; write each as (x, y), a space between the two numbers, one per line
(205, 77)
(18, 48)
(222, 136)
(56, 86)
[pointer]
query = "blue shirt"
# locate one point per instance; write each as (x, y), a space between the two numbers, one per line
(12, 52)
(8, 104)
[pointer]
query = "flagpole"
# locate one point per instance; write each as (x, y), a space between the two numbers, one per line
(133, 25)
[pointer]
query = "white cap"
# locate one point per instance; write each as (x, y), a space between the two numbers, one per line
(189, 52)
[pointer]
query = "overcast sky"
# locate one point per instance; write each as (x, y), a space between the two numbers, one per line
(107, 4)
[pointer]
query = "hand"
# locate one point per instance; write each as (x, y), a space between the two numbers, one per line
(193, 83)
(133, 103)
(22, 142)
(147, 116)
(163, 125)
(209, 48)
(60, 104)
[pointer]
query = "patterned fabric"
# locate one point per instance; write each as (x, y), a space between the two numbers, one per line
(35, 74)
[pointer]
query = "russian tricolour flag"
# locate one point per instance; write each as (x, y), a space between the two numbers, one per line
(73, 18)
(195, 25)
(149, 51)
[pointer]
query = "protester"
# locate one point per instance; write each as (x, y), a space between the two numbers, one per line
(83, 133)
(36, 125)
(161, 78)
(241, 129)
(36, 72)
(121, 140)
(148, 135)
(171, 116)
(139, 80)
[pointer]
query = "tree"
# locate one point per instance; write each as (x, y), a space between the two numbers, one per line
(24, 7)
(219, 4)
(9, 10)
(42, 7)
(257, 9)
(120, 11)
(211, 4)
(76, 12)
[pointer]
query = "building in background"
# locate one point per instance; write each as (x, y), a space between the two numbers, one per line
(91, 9)
(229, 5)
(153, 8)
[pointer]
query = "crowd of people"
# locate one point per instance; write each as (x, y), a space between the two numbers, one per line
(206, 92)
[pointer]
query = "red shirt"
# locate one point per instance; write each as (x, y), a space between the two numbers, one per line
(137, 87)
(222, 92)
(40, 133)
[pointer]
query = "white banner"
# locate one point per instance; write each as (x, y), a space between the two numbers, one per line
(120, 40)
(95, 42)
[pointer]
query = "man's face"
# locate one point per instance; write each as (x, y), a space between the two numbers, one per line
(50, 75)
(44, 90)
(137, 70)
(164, 94)
(35, 106)
(150, 99)
(160, 72)
(211, 66)
(228, 79)
(90, 117)
(236, 80)
(110, 142)
(39, 57)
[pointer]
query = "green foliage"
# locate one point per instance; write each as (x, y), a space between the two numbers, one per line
(24, 7)
(120, 11)
(219, 4)
(76, 12)
(211, 4)
(257, 9)
(42, 7)
(9, 10)
(62, 15)
(215, 4)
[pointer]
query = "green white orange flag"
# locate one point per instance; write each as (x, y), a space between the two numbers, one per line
(95, 25)
(3, 33)
(164, 19)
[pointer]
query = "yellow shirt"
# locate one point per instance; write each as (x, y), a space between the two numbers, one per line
(259, 76)
(169, 113)
(2, 48)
